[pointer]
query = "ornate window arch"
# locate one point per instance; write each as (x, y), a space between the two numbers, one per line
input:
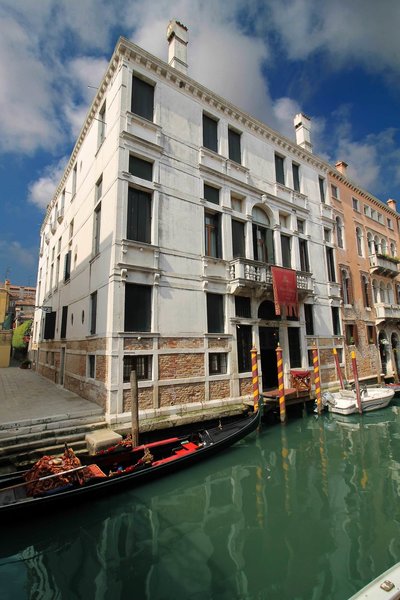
(263, 236)
(383, 246)
(359, 237)
(370, 243)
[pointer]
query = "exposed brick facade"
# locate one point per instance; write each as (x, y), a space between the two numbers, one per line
(180, 366)
(219, 389)
(173, 395)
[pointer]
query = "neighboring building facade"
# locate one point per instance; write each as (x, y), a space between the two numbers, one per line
(368, 245)
(158, 249)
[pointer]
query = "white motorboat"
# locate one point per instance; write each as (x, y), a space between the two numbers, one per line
(344, 402)
(386, 586)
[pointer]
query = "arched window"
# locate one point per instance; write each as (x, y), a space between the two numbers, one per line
(389, 294)
(359, 237)
(392, 249)
(346, 287)
(339, 232)
(375, 291)
(370, 243)
(377, 245)
(382, 293)
(263, 237)
(383, 246)
(365, 290)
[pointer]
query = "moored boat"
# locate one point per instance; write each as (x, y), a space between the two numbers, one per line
(55, 481)
(386, 586)
(344, 402)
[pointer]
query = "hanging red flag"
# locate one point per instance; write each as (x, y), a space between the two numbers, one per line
(284, 282)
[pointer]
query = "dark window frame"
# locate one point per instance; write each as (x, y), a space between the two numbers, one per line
(210, 133)
(211, 193)
(212, 233)
(238, 239)
(138, 307)
(217, 363)
(139, 215)
(244, 341)
(93, 313)
(142, 100)
(215, 313)
(235, 145)
(280, 169)
(140, 167)
(141, 363)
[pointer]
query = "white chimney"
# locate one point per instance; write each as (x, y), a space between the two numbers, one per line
(177, 36)
(392, 204)
(302, 125)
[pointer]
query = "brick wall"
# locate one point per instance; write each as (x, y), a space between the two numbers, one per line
(181, 394)
(145, 397)
(245, 386)
(219, 389)
(180, 366)
(181, 343)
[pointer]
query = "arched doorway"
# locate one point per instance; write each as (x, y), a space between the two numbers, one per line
(269, 338)
(383, 350)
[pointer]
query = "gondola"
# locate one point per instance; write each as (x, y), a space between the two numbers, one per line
(74, 479)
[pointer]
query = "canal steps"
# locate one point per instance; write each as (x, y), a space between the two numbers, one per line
(26, 441)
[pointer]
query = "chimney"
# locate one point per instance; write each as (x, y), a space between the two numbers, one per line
(302, 125)
(177, 36)
(342, 167)
(392, 204)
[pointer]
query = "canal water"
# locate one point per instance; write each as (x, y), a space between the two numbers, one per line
(306, 511)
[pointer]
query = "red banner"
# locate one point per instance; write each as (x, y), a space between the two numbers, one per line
(284, 283)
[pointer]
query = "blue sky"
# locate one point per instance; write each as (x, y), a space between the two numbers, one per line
(337, 61)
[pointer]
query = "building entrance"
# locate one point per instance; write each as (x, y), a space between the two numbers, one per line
(269, 337)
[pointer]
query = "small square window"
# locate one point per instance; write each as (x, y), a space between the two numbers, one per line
(140, 168)
(142, 365)
(211, 194)
(217, 362)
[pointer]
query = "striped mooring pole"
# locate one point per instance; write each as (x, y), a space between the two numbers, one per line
(254, 372)
(338, 369)
(317, 379)
(281, 389)
(356, 382)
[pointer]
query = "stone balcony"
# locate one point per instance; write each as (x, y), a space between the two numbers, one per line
(383, 265)
(387, 312)
(245, 274)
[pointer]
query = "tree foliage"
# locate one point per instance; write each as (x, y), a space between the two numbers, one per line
(19, 333)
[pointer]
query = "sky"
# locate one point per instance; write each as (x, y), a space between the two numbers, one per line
(338, 61)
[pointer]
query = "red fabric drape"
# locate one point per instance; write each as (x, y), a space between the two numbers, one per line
(284, 283)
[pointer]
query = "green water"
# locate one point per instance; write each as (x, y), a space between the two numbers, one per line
(306, 511)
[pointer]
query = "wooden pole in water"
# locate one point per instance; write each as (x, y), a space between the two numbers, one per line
(317, 379)
(134, 409)
(254, 371)
(281, 388)
(338, 369)
(356, 381)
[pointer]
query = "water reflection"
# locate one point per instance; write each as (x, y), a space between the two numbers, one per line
(305, 511)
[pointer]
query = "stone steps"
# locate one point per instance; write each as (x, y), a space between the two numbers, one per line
(27, 441)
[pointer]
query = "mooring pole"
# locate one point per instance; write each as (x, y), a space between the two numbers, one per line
(356, 381)
(338, 369)
(281, 388)
(317, 379)
(134, 409)
(254, 371)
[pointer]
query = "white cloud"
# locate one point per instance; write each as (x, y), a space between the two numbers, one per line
(26, 257)
(41, 191)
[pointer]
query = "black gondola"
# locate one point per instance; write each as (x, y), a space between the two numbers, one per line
(113, 470)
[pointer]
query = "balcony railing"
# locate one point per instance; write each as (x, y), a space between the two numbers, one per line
(387, 311)
(251, 273)
(383, 265)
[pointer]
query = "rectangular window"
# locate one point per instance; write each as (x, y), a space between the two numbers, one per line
(98, 189)
(243, 307)
(211, 194)
(296, 177)
(71, 230)
(390, 223)
(280, 169)
(64, 318)
(93, 312)
(334, 191)
(356, 204)
(212, 235)
(235, 153)
(210, 133)
(263, 244)
(351, 334)
(244, 343)
(309, 317)
(321, 183)
(217, 363)
(140, 168)
(49, 325)
(96, 228)
(141, 364)
(215, 313)
(137, 307)
(300, 226)
(74, 175)
(142, 98)
(327, 235)
(294, 347)
(102, 125)
(139, 216)
(330, 264)
(371, 334)
(303, 250)
(286, 251)
(67, 266)
(336, 321)
(238, 243)
(91, 366)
